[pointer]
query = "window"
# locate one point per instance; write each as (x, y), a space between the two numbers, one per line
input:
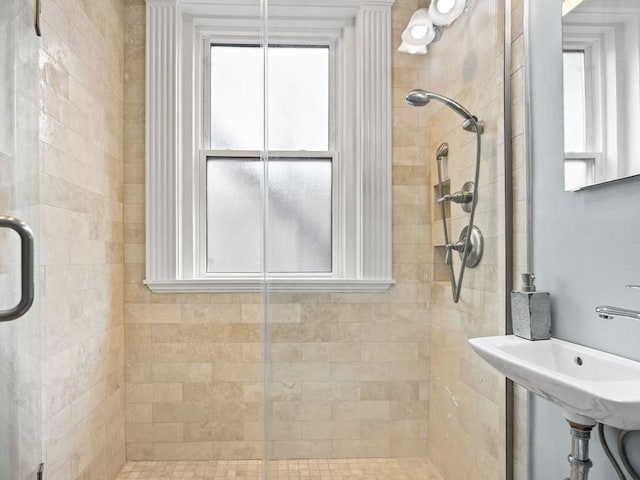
(581, 129)
(300, 163)
(593, 108)
(329, 146)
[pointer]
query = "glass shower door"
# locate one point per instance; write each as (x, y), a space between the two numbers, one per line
(20, 406)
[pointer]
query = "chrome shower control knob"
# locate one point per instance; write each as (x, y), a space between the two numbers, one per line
(475, 248)
(457, 246)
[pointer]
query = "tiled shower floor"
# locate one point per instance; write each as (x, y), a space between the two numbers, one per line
(344, 469)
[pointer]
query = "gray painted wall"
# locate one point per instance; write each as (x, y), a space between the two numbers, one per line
(586, 248)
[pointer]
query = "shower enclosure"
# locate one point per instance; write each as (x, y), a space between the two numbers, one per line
(276, 305)
(20, 416)
(321, 338)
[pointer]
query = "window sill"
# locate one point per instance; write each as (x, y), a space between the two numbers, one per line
(248, 285)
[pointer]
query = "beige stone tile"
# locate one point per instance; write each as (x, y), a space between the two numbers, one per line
(180, 372)
(238, 450)
(148, 313)
(213, 431)
(182, 412)
(153, 392)
(219, 313)
(138, 413)
(183, 451)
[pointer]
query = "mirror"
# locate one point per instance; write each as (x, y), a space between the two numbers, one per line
(601, 61)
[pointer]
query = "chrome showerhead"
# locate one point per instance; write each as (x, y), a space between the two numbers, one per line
(420, 98)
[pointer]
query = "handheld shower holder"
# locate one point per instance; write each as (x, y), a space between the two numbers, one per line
(470, 125)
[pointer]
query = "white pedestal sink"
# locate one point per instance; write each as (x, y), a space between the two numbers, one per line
(589, 385)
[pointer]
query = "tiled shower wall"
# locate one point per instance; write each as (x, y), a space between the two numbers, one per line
(350, 372)
(81, 190)
(466, 420)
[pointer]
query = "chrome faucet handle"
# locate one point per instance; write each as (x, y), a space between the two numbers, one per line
(462, 196)
(634, 287)
(608, 312)
(456, 246)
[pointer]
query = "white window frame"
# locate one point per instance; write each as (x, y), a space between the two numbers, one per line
(343, 207)
(595, 107)
(178, 34)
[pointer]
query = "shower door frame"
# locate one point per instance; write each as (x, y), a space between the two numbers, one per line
(20, 376)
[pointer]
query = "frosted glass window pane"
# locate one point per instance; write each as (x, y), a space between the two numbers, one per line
(298, 98)
(575, 135)
(234, 215)
(299, 221)
(237, 98)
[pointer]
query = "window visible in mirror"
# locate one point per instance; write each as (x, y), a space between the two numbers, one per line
(584, 100)
(601, 49)
(575, 115)
(580, 130)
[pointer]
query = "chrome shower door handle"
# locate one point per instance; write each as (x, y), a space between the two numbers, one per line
(27, 267)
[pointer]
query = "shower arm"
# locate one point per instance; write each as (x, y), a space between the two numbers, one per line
(420, 98)
(453, 105)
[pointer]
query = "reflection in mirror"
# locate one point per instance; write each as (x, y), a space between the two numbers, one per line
(601, 53)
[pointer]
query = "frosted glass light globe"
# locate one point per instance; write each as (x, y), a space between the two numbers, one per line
(419, 31)
(445, 6)
(444, 12)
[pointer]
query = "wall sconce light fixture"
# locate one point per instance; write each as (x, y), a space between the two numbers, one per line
(425, 25)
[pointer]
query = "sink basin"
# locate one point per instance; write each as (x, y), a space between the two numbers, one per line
(591, 386)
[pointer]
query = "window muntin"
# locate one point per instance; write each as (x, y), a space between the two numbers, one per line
(237, 97)
(298, 97)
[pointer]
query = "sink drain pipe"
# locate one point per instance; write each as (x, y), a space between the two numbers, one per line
(579, 456)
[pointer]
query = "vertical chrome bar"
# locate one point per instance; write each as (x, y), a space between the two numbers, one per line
(579, 457)
(26, 267)
(508, 233)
